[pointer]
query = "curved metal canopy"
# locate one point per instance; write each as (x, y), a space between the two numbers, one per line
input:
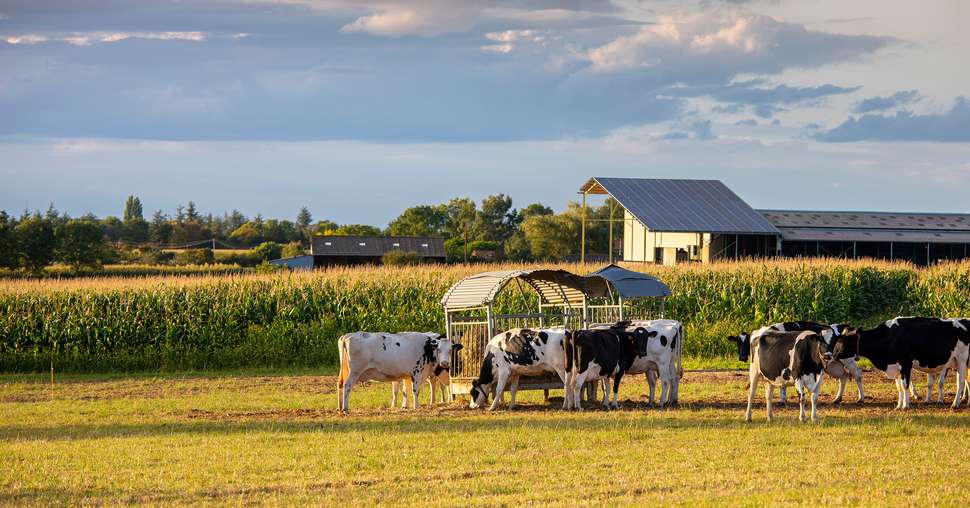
(627, 283)
(553, 287)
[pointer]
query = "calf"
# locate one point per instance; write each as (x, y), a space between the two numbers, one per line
(390, 357)
(599, 355)
(784, 359)
(515, 353)
(439, 382)
(900, 345)
(851, 369)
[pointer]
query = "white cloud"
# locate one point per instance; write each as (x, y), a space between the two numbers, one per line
(749, 42)
(89, 38)
(498, 48)
(423, 19)
(25, 39)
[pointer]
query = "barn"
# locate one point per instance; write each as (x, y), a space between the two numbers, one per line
(358, 250)
(667, 221)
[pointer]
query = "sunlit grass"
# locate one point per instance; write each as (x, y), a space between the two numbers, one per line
(278, 440)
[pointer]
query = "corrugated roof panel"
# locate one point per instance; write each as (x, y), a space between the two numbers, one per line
(706, 206)
(873, 235)
(375, 246)
(868, 220)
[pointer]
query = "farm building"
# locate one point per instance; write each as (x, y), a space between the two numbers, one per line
(676, 221)
(357, 250)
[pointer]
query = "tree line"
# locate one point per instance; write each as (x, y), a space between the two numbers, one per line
(491, 229)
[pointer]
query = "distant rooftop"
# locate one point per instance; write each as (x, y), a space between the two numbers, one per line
(871, 226)
(665, 205)
(376, 246)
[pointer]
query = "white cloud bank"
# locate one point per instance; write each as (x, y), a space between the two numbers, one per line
(90, 38)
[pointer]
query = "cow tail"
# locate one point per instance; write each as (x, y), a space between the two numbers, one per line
(567, 342)
(343, 350)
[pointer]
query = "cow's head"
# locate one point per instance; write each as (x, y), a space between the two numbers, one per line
(438, 350)
(478, 395)
(641, 338)
(845, 344)
(743, 340)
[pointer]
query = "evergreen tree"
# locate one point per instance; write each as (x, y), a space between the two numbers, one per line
(133, 209)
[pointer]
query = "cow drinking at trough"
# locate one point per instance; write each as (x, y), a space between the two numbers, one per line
(368, 356)
(513, 354)
(600, 355)
(850, 369)
(900, 345)
(785, 359)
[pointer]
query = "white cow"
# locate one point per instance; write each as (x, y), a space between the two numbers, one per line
(515, 353)
(368, 356)
(664, 358)
(439, 382)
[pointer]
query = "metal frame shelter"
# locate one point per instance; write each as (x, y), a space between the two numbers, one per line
(547, 298)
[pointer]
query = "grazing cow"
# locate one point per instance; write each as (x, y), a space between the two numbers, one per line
(515, 353)
(851, 368)
(663, 358)
(439, 382)
(900, 345)
(601, 354)
(390, 357)
(784, 359)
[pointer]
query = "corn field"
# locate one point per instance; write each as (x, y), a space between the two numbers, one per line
(293, 319)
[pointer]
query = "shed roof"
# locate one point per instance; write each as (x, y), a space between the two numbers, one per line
(627, 283)
(683, 205)
(553, 286)
(873, 235)
(376, 246)
(868, 220)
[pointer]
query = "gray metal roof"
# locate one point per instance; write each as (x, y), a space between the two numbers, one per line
(873, 235)
(376, 246)
(706, 206)
(553, 286)
(868, 220)
(627, 283)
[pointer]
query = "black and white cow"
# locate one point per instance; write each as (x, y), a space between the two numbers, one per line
(368, 356)
(900, 345)
(439, 382)
(850, 370)
(513, 354)
(593, 355)
(663, 358)
(785, 359)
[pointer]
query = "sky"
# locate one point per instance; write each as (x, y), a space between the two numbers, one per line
(359, 109)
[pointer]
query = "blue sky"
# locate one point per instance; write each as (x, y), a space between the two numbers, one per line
(360, 109)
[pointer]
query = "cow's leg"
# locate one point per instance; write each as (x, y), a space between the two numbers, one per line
(606, 392)
(899, 392)
(752, 388)
(816, 388)
(940, 384)
(578, 382)
(394, 388)
(501, 379)
(800, 388)
(930, 378)
(961, 380)
(665, 387)
(838, 395)
(652, 384)
(857, 375)
(907, 376)
(415, 389)
(433, 388)
(674, 384)
(783, 396)
(616, 389)
(564, 376)
(769, 393)
(352, 378)
(513, 389)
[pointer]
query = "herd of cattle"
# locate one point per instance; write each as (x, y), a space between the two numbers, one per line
(795, 354)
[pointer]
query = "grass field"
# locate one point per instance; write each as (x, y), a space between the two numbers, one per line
(275, 438)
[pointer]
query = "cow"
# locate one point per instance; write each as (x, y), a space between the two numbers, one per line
(902, 344)
(600, 355)
(439, 382)
(785, 359)
(515, 353)
(850, 370)
(663, 358)
(379, 356)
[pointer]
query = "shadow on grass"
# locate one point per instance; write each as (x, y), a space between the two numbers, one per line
(463, 420)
